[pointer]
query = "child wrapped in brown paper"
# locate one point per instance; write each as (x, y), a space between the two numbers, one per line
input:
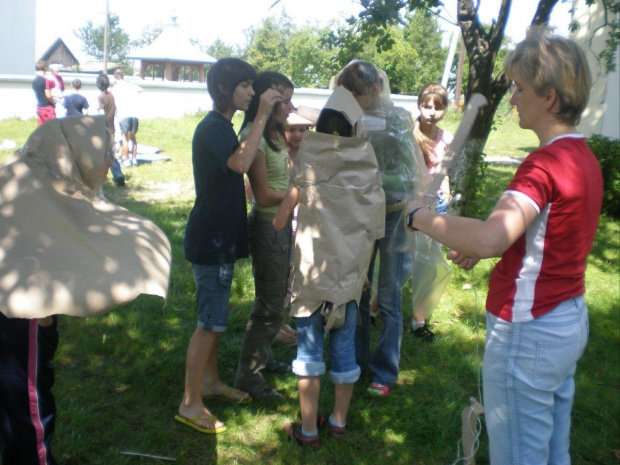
(337, 183)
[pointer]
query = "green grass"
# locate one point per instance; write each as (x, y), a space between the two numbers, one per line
(120, 376)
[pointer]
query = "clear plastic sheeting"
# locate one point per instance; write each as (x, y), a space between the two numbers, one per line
(405, 176)
(400, 160)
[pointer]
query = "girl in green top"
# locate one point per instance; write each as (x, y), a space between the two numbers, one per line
(270, 249)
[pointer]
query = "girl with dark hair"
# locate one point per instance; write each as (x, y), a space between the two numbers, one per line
(216, 233)
(270, 249)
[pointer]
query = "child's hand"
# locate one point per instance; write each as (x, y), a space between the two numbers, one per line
(463, 261)
(268, 99)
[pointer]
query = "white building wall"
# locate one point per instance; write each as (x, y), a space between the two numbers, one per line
(164, 99)
(17, 36)
(602, 115)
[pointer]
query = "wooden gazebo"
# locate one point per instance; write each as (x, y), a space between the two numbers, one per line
(172, 50)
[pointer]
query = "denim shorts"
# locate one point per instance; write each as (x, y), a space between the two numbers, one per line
(309, 361)
(129, 125)
(212, 295)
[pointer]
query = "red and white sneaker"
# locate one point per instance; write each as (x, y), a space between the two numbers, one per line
(379, 390)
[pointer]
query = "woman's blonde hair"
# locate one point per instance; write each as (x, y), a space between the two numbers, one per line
(546, 60)
(439, 95)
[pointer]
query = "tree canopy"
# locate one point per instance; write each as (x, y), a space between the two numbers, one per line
(93, 40)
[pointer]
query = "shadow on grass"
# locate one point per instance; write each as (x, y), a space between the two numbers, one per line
(120, 378)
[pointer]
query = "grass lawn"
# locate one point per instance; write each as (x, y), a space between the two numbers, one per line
(120, 376)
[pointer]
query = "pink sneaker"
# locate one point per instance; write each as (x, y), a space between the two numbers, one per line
(379, 390)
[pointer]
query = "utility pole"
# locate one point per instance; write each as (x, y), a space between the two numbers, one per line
(105, 36)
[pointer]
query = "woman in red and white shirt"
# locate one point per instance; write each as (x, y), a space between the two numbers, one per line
(543, 228)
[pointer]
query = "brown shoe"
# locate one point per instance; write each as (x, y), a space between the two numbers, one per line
(292, 429)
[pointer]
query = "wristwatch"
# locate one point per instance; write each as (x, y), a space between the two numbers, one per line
(409, 219)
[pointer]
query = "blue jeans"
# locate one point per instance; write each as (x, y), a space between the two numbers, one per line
(442, 204)
(529, 384)
(212, 295)
(394, 270)
(117, 173)
(310, 333)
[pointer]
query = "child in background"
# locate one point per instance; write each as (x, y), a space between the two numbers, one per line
(434, 141)
(296, 128)
(107, 107)
(75, 103)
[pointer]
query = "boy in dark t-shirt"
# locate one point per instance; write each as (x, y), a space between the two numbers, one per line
(42, 88)
(76, 104)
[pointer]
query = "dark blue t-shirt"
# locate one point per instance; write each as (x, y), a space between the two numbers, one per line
(75, 103)
(217, 230)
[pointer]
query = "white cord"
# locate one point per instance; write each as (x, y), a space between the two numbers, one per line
(476, 433)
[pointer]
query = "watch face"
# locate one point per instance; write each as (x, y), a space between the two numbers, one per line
(409, 221)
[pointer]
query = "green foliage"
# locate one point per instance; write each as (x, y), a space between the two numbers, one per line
(148, 36)
(423, 33)
(410, 51)
(311, 63)
(220, 49)
(278, 45)
(93, 39)
(607, 151)
(268, 45)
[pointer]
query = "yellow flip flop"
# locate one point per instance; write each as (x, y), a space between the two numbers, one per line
(193, 423)
(230, 394)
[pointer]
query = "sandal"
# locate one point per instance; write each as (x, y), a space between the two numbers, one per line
(194, 424)
(336, 432)
(292, 429)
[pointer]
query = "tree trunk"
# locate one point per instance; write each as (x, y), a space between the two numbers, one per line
(482, 48)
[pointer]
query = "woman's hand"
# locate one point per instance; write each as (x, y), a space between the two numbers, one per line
(463, 261)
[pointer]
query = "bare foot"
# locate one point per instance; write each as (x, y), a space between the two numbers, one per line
(223, 392)
(286, 334)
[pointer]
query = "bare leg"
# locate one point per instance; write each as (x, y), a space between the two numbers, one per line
(125, 147)
(201, 362)
(418, 314)
(344, 393)
(134, 148)
(309, 388)
(212, 385)
(374, 310)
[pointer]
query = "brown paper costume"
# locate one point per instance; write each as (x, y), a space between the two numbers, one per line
(64, 250)
(341, 214)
